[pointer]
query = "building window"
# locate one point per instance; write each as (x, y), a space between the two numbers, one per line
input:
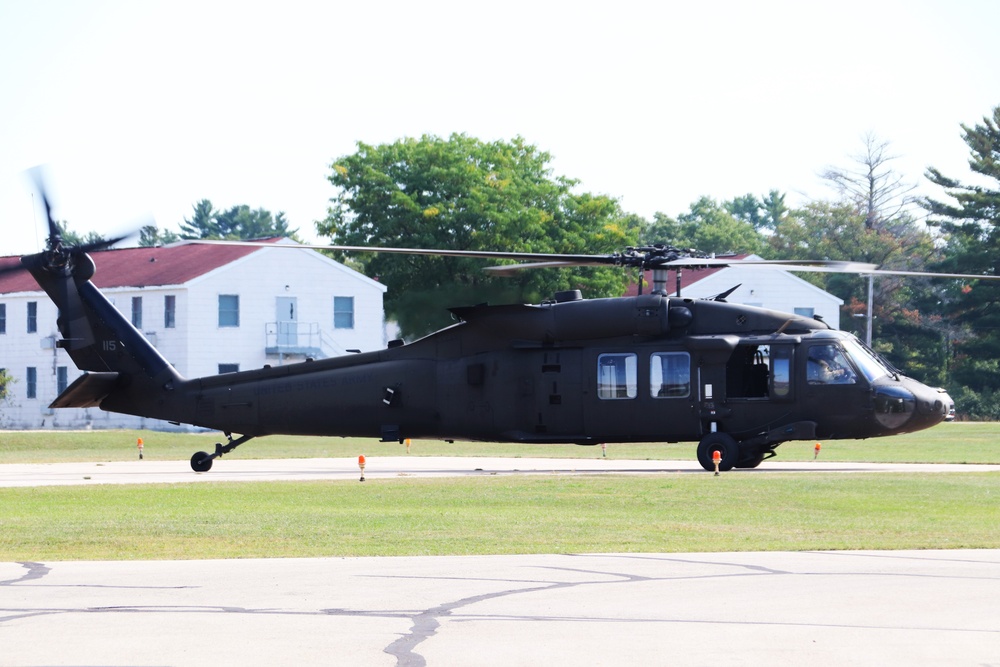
(670, 374)
(62, 379)
(137, 312)
(616, 376)
(32, 316)
(169, 311)
(3, 318)
(229, 368)
(31, 382)
(343, 312)
(229, 310)
(805, 312)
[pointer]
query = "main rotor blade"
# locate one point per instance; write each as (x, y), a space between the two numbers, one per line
(599, 260)
(504, 269)
(543, 260)
(931, 274)
(822, 265)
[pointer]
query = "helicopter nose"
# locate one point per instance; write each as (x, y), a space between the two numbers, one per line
(894, 405)
(934, 404)
(914, 405)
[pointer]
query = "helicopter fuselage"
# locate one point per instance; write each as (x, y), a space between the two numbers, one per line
(643, 379)
(738, 379)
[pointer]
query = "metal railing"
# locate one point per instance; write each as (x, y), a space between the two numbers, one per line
(299, 339)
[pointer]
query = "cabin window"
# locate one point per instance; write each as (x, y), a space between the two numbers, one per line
(617, 376)
(32, 316)
(343, 312)
(670, 374)
(137, 312)
(169, 311)
(781, 370)
(229, 310)
(827, 364)
(31, 383)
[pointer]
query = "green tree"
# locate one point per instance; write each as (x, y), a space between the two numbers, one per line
(463, 193)
(764, 213)
(71, 238)
(151, 235)
(970, 221)
(5, 382)
(666, 230)
(746, 208)
(712, 228)
(707, 227)
(238, 222)
(906, 330)
(202, 224)
(775, 210)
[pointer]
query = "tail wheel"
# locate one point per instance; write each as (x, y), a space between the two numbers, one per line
(728, 448)
(201, 462)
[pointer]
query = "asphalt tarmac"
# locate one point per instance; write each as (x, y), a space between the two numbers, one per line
(817, 608)
(378, 467)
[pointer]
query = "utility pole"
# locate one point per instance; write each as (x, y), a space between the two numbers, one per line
(871, 291)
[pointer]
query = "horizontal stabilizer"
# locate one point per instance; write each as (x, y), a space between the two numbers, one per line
(87, 391)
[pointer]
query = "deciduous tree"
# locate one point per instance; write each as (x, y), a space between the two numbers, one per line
(463, 193)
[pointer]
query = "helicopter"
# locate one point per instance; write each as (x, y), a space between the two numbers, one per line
(739, 380)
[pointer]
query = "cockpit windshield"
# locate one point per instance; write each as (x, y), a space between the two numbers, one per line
(867, 362)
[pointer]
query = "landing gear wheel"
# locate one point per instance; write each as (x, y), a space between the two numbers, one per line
(723, 443)
(201, 462)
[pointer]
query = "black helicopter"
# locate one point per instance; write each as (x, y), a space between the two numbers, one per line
(738, 379)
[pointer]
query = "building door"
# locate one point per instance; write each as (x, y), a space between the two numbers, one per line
(287, 316)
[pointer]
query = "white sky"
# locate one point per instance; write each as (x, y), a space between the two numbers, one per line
(144, 108)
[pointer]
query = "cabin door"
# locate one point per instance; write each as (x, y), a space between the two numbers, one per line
(287, 312)
(551, 394)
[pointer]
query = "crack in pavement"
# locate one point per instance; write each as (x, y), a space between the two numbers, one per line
(426, 623)
(35, 571)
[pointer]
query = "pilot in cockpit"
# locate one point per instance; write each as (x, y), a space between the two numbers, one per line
(828, 365)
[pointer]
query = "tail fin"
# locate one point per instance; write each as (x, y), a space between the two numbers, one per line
(96, 336)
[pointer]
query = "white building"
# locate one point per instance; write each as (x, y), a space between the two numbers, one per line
(771, 288)
(208, 309)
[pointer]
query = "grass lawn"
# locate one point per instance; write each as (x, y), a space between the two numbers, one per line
(502, 515)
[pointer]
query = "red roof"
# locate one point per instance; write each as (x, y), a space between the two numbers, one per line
(139, 267)
(688, 277)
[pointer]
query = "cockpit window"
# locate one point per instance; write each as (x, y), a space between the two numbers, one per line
(870, 365)
(827, 364)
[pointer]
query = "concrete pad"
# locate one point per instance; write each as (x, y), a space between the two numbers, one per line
(887, 608)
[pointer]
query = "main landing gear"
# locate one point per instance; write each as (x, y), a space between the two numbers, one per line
(202, 461)
(732, 454)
